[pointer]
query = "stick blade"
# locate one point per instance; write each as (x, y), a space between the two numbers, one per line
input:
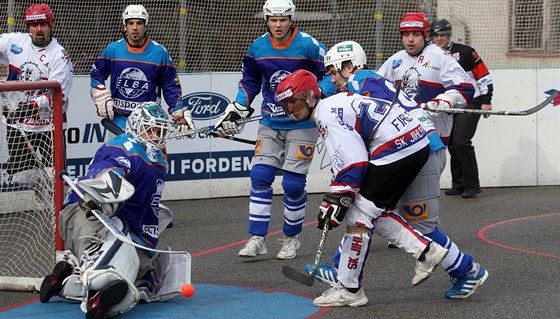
(297, 276)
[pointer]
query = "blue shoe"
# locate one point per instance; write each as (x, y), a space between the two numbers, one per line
(326, 273)
(463, 288)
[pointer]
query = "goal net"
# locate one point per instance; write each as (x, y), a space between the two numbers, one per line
(31, 195)
(213, 35)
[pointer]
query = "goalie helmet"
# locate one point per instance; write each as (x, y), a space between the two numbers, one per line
(279, 8)
(415, 21)
(38, 13)
(441, 27)
(135, 11)
(149, 125)
(346, 51)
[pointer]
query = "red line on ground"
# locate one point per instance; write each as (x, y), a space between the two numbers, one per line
(481, 234)
(237, 243)
(20, 304)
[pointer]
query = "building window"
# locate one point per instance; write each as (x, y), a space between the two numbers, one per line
(535, 27)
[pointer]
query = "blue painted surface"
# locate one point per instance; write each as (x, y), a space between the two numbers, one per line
(209, 301)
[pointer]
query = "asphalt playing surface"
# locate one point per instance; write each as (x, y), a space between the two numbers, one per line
(512, 232)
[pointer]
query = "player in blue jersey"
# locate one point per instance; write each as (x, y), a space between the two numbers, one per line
(282, 143)
(112, 276)
(140, 70)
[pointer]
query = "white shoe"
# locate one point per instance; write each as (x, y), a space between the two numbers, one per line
(338, 296)
(289, 247)
(254, 246)
(427, 262)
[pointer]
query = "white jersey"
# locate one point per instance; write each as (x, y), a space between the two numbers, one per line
(28, 62)
(358, 130)
(427, 75)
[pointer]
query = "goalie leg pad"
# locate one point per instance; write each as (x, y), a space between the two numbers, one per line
(171, 272)
(419, 205)
(165, 217)
(109, 260)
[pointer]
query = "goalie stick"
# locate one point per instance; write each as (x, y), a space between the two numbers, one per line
(115, 129)
(497, 112)
(309, 279)
(108, 223)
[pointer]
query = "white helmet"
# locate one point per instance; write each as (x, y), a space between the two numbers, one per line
(279, 8)
(346, 51)
(149, 125)
(135, 11)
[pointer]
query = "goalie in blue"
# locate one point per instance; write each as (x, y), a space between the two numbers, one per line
(108, 276)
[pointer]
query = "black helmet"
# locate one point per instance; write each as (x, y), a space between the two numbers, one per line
(441, 27)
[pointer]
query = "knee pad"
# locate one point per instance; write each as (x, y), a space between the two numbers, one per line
(293, 184)
(108, 259)
(422, 215)
(262, 177)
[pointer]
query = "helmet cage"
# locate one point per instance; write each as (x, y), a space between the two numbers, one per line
(149, 125)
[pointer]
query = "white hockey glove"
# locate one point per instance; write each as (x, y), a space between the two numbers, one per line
(334, 208)
(183, 121)
(103, 101)
(226, 122)
(439, 103)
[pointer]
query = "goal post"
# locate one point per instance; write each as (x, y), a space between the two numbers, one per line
(32, 156)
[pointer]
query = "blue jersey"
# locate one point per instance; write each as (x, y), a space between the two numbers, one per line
(267, 62)
(138, 75)
(127, 157)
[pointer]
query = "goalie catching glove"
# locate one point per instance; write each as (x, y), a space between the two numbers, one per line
(183, 121)
(226, 124)
(103, 101)
(441, 102)
(334, 208)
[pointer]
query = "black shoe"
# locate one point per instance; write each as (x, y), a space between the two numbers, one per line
(105, 298)
(471, 193)
(52, 284)
(454, 191)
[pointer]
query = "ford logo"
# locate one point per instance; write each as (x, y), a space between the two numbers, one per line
(205, 105)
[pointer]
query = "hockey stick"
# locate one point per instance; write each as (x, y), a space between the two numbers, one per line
(108, 223)
(115, 129)
(238, 122)
(309, 279)
(496, 112)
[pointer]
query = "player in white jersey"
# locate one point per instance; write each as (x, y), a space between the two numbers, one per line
(33, 56)
(376, 149)
(435, 80)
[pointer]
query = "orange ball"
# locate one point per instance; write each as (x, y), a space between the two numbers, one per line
(187, 290)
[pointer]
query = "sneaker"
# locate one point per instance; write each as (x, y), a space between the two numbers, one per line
(254, 246)
(105, 298)
(391, 245)
(52, 284)
(454, 191)
(289, 247)
(463, 288)
(338, 296)
(326, 273)
(427, 262)
(471, 193)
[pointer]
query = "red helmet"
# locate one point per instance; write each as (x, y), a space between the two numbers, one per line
(38, 13)
(298, 82)
(415, 21)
